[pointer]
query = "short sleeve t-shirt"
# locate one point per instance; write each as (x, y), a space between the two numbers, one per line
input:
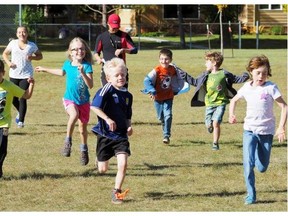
(259, 112)
(216, 89)
(117, 104)
(76, 89)
(8, 90)
(24, 67)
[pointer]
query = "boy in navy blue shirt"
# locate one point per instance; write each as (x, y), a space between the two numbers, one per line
(113, 106)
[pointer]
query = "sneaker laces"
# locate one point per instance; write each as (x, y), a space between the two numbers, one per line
(122, 195)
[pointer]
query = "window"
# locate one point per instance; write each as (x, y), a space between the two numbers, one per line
(270, 7)
(188, 11)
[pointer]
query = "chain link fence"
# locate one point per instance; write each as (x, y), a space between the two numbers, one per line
(51, 36)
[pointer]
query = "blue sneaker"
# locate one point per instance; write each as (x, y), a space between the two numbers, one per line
(17, 118)
(249, 200)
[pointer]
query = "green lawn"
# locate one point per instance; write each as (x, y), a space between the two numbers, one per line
(185, 176)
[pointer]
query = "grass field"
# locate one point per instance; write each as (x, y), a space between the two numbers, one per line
(185, 176)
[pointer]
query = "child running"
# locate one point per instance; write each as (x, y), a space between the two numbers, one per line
(259, 123)
(162, 83)
(22, 53)
(8, 90)
(113, 106)
(76, 99)
(213, 89)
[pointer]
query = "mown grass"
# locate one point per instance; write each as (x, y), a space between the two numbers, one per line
(185, 176)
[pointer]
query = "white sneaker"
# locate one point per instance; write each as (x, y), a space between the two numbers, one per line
(20, 124)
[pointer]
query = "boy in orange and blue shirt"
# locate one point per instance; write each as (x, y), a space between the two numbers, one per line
(162, 83)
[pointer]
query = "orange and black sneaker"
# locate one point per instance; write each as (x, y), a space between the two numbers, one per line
(118, 196)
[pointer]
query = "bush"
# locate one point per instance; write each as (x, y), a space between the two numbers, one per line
(277, 30)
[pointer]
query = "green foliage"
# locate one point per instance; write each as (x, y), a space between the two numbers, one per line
(277, 30)
(153, 34)
(30, 15)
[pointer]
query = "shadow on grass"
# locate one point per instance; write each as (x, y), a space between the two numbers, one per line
(153, 167)
(159, 123)
(170, 194)
(86, 174)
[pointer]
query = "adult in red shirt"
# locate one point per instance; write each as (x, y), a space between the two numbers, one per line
(113, 43)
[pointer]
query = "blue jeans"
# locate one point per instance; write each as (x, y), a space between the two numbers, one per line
(256, 152)
(164, 114)
(214, 113)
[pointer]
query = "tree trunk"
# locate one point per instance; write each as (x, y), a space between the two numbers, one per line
(181, 29)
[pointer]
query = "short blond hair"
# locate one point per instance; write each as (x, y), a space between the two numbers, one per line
(111, 65)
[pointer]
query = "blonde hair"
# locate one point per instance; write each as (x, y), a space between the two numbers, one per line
(110, 66)
(88, 54)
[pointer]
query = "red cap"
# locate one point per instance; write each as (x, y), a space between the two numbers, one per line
(114, 21)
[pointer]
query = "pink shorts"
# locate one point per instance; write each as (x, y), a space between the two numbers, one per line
(84, 110)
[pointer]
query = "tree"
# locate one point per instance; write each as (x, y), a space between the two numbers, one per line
(30, 15)
(181, 30)
(103, 13)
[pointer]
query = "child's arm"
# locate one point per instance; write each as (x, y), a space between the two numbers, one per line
(232, 106)
(129, 127)
(5, 56)
(28, 93)
(186, 77)
(237, 79)
(149, 83)
(88, 78)
(35, 56)
(99, 112)
(58, 72)
(280, 132)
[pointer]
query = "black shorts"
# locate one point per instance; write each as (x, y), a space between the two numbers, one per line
(107, 148)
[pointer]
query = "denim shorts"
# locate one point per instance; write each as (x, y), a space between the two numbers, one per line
(214, 113)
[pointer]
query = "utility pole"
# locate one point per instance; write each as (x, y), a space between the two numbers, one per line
(220, 9)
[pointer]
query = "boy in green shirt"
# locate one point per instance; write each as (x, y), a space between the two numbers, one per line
(213, 90)
(8, 90)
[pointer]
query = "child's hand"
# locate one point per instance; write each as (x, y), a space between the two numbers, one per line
(13, 66)
(39, 69)
(111, 124)
(80, 68)
(232, 119)
(152, 97)
(129, 131)
(280, 133)
(31, 80)
(29, 57)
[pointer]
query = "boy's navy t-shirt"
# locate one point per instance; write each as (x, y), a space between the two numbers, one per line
(117, 105)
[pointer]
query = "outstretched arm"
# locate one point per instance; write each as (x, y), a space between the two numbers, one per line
(58, 72)
(185, 76)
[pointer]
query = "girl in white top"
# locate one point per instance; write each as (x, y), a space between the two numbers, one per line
(259, 123)
(22, 53)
